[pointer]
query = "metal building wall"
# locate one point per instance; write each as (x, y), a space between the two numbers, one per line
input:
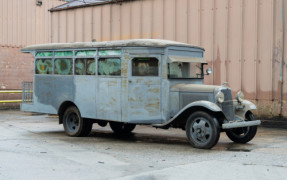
(243, 38)
(21, 23)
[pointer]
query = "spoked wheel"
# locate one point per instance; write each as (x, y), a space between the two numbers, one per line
(121, 128)
(74, 124)
(244, 134)
(202, 130)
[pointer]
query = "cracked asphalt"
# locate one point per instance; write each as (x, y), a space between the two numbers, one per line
(36, 147)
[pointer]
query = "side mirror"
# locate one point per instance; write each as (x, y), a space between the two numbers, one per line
(208, 71)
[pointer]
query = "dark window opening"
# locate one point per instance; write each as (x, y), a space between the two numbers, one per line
(185, 70)
(44, 66)
(85, 66)
(64, 66)
(145, 67)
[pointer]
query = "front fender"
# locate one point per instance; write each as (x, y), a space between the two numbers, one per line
(205, 104)
(242, 108)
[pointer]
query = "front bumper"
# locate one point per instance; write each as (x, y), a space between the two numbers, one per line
(238, 124)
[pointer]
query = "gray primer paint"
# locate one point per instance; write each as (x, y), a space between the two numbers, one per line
(126, 98)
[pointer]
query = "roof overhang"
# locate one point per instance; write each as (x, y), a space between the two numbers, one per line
(110, 44)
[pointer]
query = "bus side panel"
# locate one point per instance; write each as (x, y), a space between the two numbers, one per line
(108, 100)
(52, 91)
(85, 95)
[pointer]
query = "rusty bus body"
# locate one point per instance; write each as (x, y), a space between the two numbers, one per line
(129, 82)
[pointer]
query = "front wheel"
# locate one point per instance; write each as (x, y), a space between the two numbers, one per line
(244, 134)
(74, 124)
(202, 130)
(121, 128)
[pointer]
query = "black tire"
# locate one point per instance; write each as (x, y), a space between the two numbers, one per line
(202, 130)
(74, 124)
(121, 128)
(244, 134)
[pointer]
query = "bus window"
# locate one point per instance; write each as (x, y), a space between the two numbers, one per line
(86, 53)
(85, 66)
(44, 54)
(145, 67)
(63, 53)
(109, 66)
(110, 52)
(185, 70)
(44, 66)
(64, 66)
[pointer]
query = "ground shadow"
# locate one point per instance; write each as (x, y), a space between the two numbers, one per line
(153, 138)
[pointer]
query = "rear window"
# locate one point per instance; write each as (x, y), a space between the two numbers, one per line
(44, 66)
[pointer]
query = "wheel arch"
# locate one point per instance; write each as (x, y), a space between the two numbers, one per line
(62, 109)
(180, 120)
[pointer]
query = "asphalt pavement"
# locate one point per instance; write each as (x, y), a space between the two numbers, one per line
(34, 146)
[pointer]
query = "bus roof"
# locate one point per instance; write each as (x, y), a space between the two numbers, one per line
(108, 44)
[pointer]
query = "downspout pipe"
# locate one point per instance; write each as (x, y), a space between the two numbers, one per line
(282, 58)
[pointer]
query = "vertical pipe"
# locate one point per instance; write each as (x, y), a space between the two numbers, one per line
(23, 83)
(282, 59)
(257, 49)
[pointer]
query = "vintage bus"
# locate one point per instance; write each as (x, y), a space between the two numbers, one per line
(129, 82)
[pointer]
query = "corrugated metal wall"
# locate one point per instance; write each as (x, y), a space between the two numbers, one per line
(243, 38)
(21, 23)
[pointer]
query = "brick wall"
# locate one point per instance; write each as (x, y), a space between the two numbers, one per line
(15, 67)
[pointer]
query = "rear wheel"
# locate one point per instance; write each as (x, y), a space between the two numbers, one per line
(121, 128)
(244, 134)
(202, 130)
(74, 124)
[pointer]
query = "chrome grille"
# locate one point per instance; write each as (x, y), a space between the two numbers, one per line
(227, 105)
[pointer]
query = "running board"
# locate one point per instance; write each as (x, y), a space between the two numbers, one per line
(237, 124)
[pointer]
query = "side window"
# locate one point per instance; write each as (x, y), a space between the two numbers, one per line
(44, 54)
(63, 53)
(44, 66)
(64, 66)
(109, 66)
(145, 67)
(85, 66)
(86, 53)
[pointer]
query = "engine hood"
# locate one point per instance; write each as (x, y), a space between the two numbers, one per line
(194, 88)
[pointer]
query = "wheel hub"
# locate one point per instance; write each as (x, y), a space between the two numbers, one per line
(201, 130)
(72, 122)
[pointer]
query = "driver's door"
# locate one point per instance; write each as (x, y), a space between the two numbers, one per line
(144, 89)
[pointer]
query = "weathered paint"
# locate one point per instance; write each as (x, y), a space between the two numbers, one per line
(143, 99)
(124, 97)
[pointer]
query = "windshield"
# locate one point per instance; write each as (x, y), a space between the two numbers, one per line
(185, 70)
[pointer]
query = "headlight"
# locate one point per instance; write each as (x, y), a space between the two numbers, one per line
(208, 71)
(239, 96)
(220, 97)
